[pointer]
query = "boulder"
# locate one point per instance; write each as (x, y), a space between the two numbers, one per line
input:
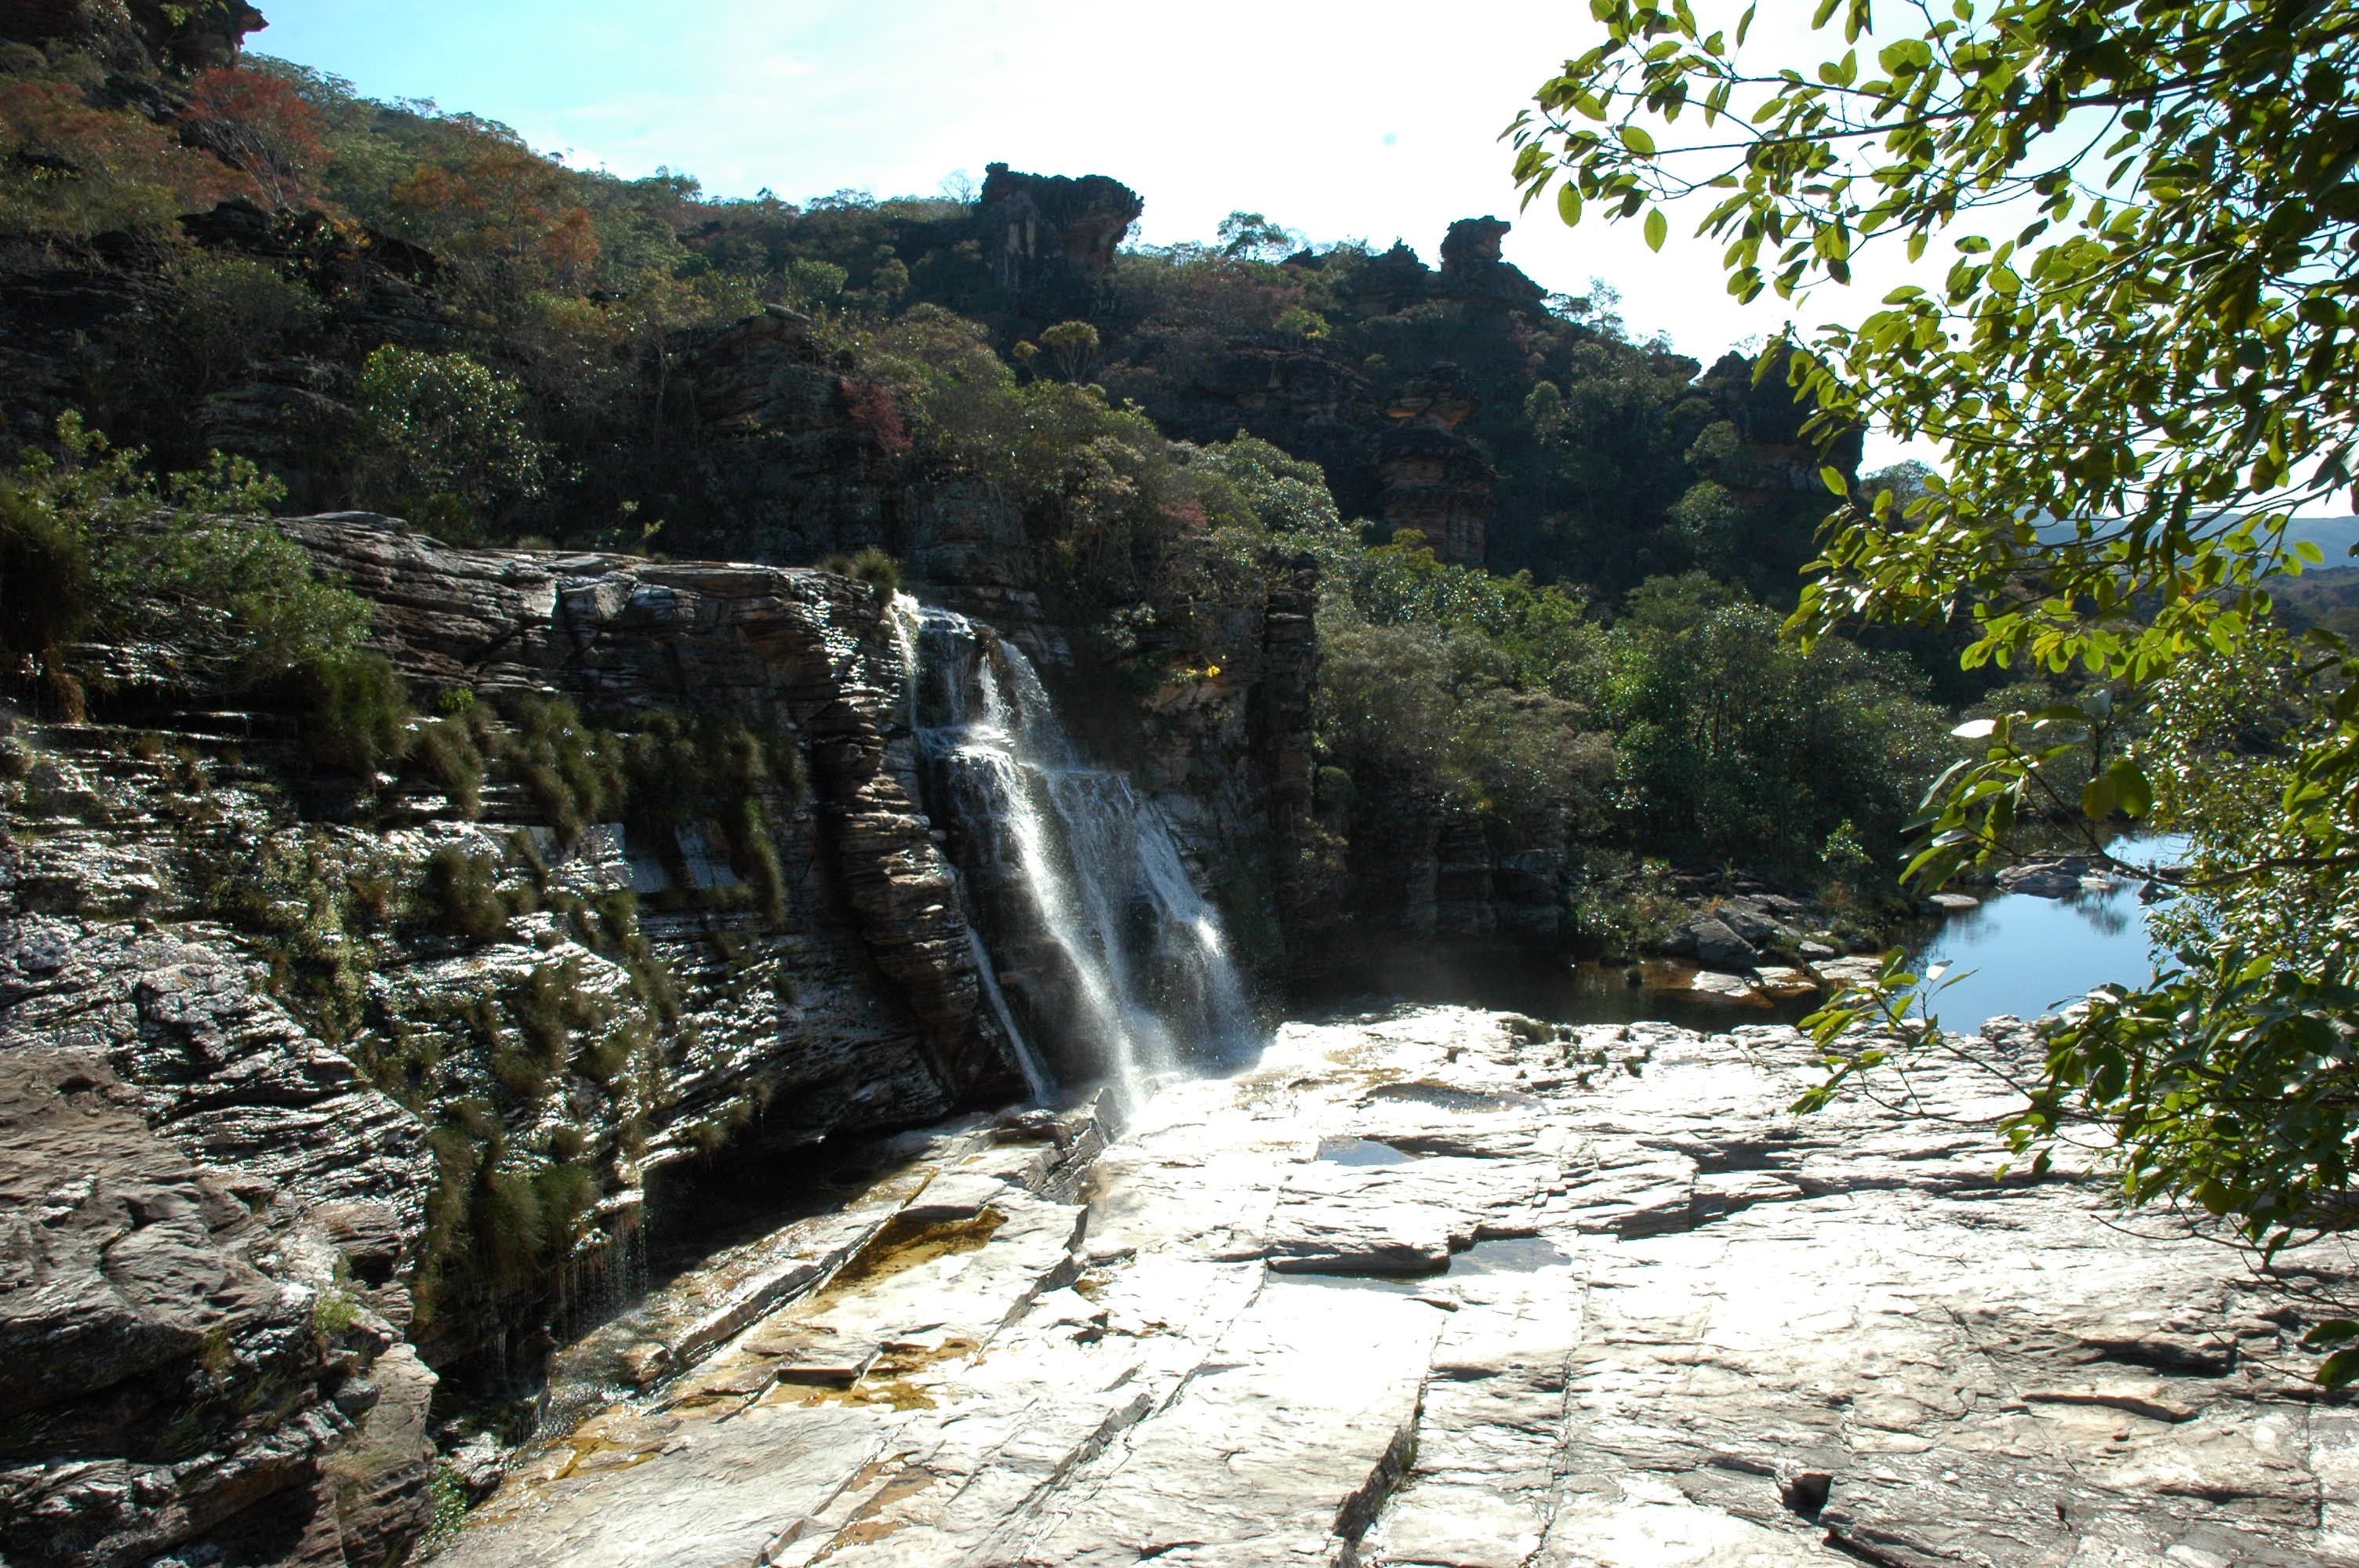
(2046, 879)
(1754, 924)
(1718, 947)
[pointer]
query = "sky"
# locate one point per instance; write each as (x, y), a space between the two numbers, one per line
(1372, 122)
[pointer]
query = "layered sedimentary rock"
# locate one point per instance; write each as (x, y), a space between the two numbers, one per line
(1435, 484)
(1445, 1288)
(181, 1364)
(798, 653)
(255, 956)
(167, 875)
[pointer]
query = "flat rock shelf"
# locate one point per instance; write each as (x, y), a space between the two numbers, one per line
(1416, 1288)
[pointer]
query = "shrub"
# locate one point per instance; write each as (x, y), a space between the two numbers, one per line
(576, 772)
(192, 562)
(445, 751)
(234, 311)
(359, 714)
(461, 893)
(871, 566)
(875, 415)
(332, 1311)
(564, 1192)
(47, 585)
(510, 1226)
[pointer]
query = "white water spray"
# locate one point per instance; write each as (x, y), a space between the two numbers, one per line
(1121, 963)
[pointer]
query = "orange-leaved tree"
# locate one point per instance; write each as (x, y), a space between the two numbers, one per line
(500, 212)
(68, 170)
(263, 127)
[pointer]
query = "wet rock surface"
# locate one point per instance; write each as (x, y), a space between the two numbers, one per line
(1421, 1289)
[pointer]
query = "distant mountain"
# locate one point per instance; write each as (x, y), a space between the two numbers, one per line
(2337, 536)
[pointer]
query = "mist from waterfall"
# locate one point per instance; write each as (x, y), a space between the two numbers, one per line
(1111, 952)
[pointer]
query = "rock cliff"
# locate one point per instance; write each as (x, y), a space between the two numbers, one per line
(395, 1059)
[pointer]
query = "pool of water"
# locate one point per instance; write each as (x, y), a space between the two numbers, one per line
(1542, 986)
(2015, 953)
(2028, 955)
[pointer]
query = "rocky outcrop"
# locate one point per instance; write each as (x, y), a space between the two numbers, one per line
(176, 1373)
(214, 1065)
(1439, 1287)
(1435, 484)
(1386, 434)
(1049, 239)
(1472, 268)
(1779, 459)
(141, 36)
(189, 912)
(793, 652)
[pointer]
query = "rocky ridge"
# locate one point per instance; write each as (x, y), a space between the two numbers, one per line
(1444, 1288)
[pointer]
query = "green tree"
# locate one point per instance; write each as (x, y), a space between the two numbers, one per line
(191, 565)
(233, 312)
(1075, 346)
(1249, 236)
(446, 442)
(2138, 363)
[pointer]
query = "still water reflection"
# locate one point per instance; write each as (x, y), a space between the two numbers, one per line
(2029, 956)
(2015, 953)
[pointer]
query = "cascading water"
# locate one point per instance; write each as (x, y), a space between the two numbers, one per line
(1110, 949)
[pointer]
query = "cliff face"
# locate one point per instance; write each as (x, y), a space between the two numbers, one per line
(370, 1075)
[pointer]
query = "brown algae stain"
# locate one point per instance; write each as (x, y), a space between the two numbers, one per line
(902, 1244)
(865, 1527)
(888, 1382)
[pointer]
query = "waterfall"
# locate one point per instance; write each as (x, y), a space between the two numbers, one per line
(1036, 1077)
(1112, 954)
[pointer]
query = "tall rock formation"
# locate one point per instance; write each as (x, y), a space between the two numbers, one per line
(1050, 239)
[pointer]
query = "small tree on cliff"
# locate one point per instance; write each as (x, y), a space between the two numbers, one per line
(2153, 348)
(1073, 345)
(444, 440)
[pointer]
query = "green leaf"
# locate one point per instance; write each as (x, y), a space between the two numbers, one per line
(1832, 478)
(1635, 138)
(1568, 203)
(2132, 788)
(2098, 796)
(1657, 228)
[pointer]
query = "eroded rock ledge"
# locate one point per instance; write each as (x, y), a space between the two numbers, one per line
(1439, 1288)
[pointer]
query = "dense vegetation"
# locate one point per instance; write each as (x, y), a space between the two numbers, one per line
(409, 309)
(2139, 374)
